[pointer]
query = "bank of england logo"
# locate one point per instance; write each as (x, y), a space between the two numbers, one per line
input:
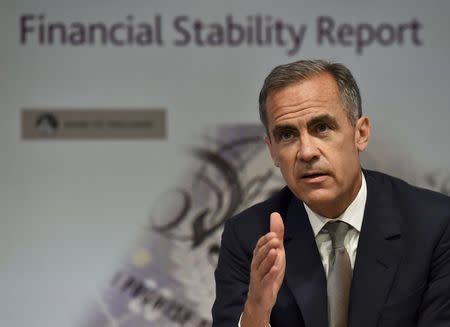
(47, 123)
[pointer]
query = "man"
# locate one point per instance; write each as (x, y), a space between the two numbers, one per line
(339, 246)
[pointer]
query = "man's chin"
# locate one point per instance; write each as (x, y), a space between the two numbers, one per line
(318, 199)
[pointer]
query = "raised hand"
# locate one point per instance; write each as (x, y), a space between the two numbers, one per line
(266, 275)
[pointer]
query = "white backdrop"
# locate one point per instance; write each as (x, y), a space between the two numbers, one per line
(70, 210)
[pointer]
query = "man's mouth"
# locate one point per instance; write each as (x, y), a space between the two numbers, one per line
(313, 174)
(314, 177)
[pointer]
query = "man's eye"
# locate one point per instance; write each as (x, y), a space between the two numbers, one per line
(321, 128)
(286, 135)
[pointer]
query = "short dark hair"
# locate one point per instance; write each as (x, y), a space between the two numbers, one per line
(285, 75)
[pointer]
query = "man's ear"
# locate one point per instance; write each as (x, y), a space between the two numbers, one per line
(362, 133)
(269, 144)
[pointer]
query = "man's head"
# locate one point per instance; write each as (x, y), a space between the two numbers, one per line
(315, 131)
(298, 71)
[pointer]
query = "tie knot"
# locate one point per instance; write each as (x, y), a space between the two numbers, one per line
(337, 230)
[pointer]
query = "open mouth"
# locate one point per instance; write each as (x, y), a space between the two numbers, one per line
(314, 177)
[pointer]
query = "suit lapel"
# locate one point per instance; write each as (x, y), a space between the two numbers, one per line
(378, 254)
(304, 270)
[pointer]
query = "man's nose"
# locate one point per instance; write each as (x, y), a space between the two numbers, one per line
(308, 150)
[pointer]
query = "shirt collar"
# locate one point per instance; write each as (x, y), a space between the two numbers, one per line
(353, 215)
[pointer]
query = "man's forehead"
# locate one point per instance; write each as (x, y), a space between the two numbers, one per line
(320, 84)
(309, 93)
(305, 112)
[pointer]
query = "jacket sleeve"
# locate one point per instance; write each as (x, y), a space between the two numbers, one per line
(435, 308)
(232, 277)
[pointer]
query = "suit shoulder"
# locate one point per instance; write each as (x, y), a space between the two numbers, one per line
(246, 227)
(261, 211)
(405, 194)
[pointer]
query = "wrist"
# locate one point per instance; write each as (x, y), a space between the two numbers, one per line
(255, 315)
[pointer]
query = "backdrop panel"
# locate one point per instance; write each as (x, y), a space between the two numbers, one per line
(78, 216)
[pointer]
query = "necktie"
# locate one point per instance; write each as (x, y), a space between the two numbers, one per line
(339, 276)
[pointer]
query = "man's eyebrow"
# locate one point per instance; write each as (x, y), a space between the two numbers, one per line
(279, 128)
(325, 118)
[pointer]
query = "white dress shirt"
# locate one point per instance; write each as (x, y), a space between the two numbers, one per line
(353, 216)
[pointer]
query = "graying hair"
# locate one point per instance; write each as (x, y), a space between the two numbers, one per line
(285, 75)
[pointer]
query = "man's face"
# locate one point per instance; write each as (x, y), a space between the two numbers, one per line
(313, 142)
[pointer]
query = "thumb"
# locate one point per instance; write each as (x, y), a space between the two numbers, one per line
(276, 225)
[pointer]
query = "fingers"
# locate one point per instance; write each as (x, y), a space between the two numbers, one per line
(265, 255)
(263, 247)
(267, 269)
(276, 225)
(268, 266)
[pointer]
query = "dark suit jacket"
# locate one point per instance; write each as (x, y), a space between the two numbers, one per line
(401, 276)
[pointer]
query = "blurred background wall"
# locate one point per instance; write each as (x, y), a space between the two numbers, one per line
(89, 226)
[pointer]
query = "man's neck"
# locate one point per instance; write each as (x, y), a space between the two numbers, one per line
(337, 207)
(353, 215)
